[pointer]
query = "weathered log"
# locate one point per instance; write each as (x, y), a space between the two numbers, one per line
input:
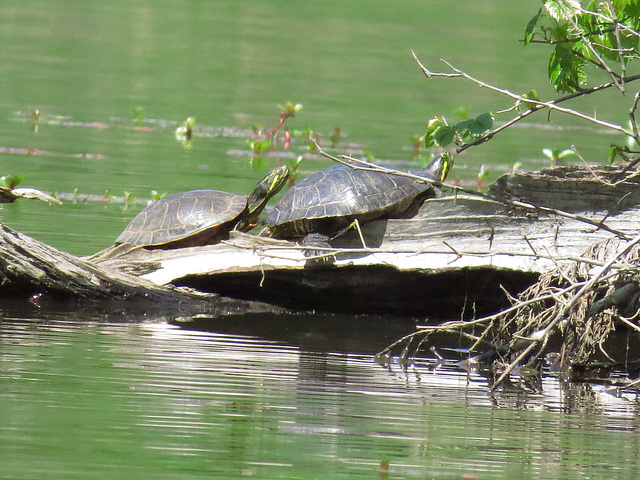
(33, 270)
(30, 267)
(455, 258)
(8, 195)
(573, 188)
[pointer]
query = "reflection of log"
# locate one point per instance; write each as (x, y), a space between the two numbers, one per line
(455, 258)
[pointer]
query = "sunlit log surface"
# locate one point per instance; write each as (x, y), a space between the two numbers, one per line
(454, 258)
(457, 258)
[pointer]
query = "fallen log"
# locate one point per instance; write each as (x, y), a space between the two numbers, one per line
(456, 258)
(29, 267)
(34, 271)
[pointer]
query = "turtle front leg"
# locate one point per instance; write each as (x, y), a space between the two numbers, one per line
(355, 224)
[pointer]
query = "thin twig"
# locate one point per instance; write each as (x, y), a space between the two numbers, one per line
(365, 165)
(535, 106)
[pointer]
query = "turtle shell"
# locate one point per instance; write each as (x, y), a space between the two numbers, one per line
(331, 199)
(197, 217)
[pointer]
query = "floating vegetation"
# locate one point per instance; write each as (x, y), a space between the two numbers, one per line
(138, 124)
(184, 132)
(127, 199)
(37, 151)
(11, 181)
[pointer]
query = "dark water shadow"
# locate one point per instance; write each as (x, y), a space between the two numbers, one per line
(362, 334)
(309, 331)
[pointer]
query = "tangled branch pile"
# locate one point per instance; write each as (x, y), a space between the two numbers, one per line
(572, 312)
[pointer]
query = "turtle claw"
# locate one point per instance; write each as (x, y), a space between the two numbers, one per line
(320, 256)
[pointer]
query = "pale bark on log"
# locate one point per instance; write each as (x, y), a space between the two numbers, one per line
(456, 255)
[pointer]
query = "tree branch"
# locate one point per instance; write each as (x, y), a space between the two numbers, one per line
(537, 105)
(364, 165)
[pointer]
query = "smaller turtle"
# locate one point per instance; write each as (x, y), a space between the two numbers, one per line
(200, 217)
(326, 203)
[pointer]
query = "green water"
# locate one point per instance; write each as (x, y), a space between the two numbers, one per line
(86, 65)
(104, 400)
(89, 398)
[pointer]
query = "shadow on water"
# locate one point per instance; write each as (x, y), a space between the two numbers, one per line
(362, 334)
(319, 332)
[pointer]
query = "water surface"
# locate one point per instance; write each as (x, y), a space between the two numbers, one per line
(87, 66)
(88, 395)
(92, 399)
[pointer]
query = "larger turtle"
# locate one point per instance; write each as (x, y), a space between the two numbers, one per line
(200, 217)
(327, 202)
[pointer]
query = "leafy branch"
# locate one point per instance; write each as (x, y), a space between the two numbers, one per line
(601, 34)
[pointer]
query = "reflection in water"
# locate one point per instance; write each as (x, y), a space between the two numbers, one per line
(151, 399)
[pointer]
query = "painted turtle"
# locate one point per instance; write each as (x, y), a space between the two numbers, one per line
(200, 217)
(325, 203)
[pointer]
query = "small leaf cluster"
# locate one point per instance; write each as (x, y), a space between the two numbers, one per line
(603, 34)
(556, 155)
(184, 132)
(440, 133)
(11, 181)
(289, 109)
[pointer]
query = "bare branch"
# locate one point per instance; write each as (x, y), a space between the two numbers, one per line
(536, 105)
(363, 164)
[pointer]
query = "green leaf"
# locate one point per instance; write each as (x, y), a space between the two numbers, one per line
(476, 126)
(531, 27)
(485, 120)
(11, 181)
(566, 153)
(613, 152)
(532, 95)
(566, 69)
(432, 126)
(444, 134)
(258, 146)
(618, 150)
(553, 10)
(557, 12)
(461, 112)
(622, 4)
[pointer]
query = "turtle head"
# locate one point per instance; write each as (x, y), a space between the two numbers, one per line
(439, 167)
(266, 188)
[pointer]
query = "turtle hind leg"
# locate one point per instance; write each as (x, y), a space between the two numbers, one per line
(316, 247)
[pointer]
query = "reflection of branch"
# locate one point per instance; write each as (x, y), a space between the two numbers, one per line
(535, 104)
(364, 165)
